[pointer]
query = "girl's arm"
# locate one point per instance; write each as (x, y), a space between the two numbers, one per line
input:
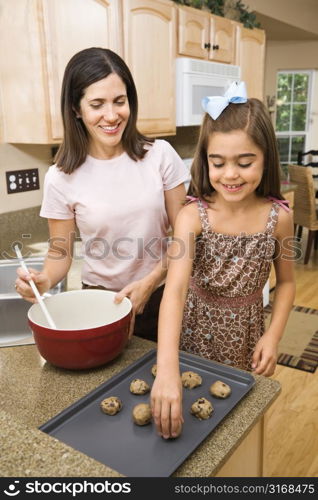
(139, 291)
(265, 355)
(57, 261)
(166, 394)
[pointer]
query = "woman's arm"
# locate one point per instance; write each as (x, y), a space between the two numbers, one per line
(166, 394)
(57, 261)
(174, 200)
(139, 291)
(265, 355)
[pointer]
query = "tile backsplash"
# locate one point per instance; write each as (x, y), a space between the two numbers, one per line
(21, 226)
(185, 141)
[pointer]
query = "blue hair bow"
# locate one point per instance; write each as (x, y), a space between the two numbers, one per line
(214, 105)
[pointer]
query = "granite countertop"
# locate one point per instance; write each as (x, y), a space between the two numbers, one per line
(33, 391)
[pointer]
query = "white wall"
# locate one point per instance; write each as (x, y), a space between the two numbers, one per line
(294, 55)
(300, 13)
(288, 55)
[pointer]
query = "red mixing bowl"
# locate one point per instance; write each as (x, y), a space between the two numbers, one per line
(91, 328)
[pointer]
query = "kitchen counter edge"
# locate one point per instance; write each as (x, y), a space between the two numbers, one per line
(28, 401)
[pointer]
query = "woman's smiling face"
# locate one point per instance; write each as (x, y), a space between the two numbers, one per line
(236, 165)
(104, 110)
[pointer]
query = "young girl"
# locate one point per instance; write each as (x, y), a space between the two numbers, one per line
(235, 224)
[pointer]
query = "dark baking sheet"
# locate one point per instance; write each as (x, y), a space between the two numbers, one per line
(138, 451)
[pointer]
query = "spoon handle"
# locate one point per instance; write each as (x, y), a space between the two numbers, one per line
(35, 290)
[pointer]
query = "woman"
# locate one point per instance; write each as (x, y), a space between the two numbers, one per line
(121, 190)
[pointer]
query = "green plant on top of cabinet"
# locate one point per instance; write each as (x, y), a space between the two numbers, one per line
(38, 37)
(149, 51)
(206, 36)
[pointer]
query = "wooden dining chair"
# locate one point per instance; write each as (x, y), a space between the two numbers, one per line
(305, 211)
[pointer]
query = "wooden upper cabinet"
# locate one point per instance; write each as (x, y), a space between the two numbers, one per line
(193, 32)
(40, 36)
(223, 35)
(203, 35)
(71, 26)
(22, 89)
(250, 56)
(149, 51)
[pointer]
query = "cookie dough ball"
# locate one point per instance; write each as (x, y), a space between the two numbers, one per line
(220, 390)
(111, 405)
(139, 386)
(142, 414)
(154, 370)
(202, 409)
(190, 380)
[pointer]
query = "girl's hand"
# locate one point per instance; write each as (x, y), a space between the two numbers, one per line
(265, 355)
(24, 289)
(166, 405)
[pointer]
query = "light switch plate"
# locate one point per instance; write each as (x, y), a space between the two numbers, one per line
(19, 181)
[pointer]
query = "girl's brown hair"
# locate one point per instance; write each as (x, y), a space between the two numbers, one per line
(254, 119)
(84, 68)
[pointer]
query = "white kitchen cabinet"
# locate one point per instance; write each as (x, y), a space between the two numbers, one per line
(206, 36)
(38, 37)
(149, 51)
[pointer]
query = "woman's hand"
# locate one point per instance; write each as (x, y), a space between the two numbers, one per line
(23, 287)
(265, 355)
(166, 405)
(138, 292)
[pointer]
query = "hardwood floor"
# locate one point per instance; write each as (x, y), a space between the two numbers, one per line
(291, 423)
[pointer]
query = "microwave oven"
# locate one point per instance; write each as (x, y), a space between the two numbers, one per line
(196, 79)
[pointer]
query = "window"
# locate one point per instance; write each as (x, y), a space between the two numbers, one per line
(292, 109)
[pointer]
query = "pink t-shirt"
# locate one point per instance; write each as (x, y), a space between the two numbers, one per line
(119, 209)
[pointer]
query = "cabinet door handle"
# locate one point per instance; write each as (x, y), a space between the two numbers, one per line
(207, 45)
(215, 47)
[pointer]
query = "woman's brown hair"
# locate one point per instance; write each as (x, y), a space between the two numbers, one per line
(254, 119)
(84, 68)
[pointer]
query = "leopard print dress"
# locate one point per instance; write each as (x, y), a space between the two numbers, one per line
(223, 317)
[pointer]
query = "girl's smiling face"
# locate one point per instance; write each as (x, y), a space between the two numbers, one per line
(236, 165)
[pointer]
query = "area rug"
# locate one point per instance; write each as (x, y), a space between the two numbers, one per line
(299, 345)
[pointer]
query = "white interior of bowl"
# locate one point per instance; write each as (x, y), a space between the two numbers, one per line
(81, 309)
